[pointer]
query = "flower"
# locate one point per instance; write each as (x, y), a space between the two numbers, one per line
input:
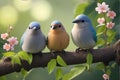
(102, 7)
(101, 20)
(111, 14)
(110, 25)
(4, 36)
(105, 77)
(12, 47)
(7, 47)
(13, 41)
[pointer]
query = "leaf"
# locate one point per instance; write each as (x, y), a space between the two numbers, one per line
(25, 73)
(60, 61)
(16, 60)
(8, 54)
(100, 42)
(30, 58)
(100, 29)
(77, 70)
(98, 34)
(80, 8)
(100, 66)
(89, 58)
(25, 56)
(59, 73)
(100, 25)
(51, 65)
(113, 65)
(111, 36)
(108, 71)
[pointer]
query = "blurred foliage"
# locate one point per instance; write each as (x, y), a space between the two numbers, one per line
(63, 13)
(89, 9)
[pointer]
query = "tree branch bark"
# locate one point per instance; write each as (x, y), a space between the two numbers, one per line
(105, 55)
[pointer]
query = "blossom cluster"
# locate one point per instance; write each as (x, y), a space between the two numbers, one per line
(105, 76)
(11, 41)
(103, 8)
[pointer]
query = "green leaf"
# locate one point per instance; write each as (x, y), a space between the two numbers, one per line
(25, 56)
(8, 54)
(80, 8)
(108, 71)
(51, 65)
(30, 58)
(77, 70)
(100, 25)
(16, 60)
(60, 61)
(100, 30)
(89, 58)
(100, 42)
(113, 65)
(111, 36)
(59, 73)
(100, 66)
(25, 73)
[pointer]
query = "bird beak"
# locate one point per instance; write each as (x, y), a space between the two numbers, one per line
(34, 28)
(75, 21)
(53, 27)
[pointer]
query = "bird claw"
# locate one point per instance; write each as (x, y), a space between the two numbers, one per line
(78, 50)
(53, 53)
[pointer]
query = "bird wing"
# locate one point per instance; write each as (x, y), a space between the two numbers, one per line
(22, 39)
(93, 33)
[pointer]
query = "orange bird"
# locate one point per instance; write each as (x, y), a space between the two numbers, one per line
(58, 39)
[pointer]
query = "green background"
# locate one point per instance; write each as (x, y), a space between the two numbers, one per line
(64, 11)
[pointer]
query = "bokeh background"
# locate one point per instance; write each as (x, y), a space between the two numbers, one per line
(19, 13)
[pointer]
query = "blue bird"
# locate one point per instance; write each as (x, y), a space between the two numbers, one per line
(83, 33)
(33, 41)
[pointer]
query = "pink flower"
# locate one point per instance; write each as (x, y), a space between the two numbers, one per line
(110, 25)
(12, 47)
(102, 7)
(7, 47)
(13, 41)
(4, 36)
(105, 77)
(101, 20)
(111, 14)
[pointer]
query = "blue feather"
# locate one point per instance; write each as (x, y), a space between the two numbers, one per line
(93, 33)
(22, 39)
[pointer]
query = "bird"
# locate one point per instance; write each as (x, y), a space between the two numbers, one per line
(58, 38)
(83, 33)
(33, 40)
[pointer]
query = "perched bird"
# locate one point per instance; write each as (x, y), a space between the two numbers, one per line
(57, 39)
(33, 41)
(83, 33)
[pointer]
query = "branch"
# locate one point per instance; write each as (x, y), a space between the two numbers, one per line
(105, 55)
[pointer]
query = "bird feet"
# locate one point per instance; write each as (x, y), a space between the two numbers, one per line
(54, 52)
(78, 50)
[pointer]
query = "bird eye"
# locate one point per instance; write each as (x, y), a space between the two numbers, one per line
(29, 28)
(82, 21)
(59, 26)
